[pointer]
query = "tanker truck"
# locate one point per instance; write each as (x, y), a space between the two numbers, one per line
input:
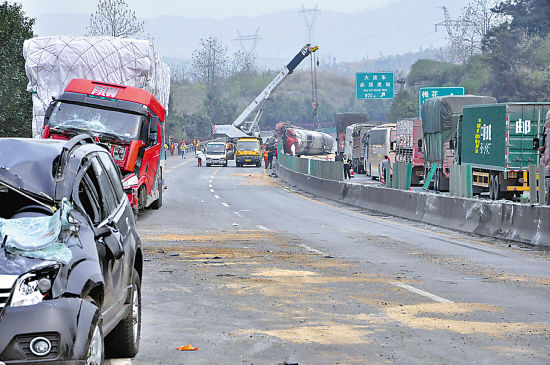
(298, 141)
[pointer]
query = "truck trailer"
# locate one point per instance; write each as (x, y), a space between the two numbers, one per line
(409, 147)
(359, 136)
(440, 117)
(500, 141)
(342, 121)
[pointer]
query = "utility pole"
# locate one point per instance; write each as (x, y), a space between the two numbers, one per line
(248, 42)
(310, 16)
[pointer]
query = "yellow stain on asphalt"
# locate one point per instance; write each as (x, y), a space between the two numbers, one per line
(236, 236)
(333, 334)
(443, 316)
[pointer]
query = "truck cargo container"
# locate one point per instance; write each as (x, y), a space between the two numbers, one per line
(348, 141)
(440, 117)
(342, 120)
(360, 140)
(409, 147)
(381, 142)
(500, 141)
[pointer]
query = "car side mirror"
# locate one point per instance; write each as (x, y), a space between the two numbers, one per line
(393, 145)
(153, 125)
(111, 239)
(452, 144)
(419, 143)
(536, 143)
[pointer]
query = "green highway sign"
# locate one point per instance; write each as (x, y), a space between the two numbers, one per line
(374, 85)
(431, 92)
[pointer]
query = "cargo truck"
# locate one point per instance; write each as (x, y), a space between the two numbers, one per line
(248, 152)
(381, 142)
(343, 120)
(128, 121)
(409, 147)
(440, 117)
(500, 141)
(359, 142)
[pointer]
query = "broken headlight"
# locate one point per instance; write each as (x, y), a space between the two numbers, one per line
(32, 288)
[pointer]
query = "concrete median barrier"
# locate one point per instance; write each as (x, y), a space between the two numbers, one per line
(502, 219)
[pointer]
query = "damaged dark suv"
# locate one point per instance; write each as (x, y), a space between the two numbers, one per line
(70, 257)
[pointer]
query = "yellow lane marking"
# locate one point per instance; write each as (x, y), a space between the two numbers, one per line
(216, 171)
(178, 165)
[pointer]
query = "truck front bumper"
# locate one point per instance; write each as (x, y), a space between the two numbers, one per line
(248, 159)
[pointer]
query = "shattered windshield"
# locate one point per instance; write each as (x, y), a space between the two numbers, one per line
(91, 118)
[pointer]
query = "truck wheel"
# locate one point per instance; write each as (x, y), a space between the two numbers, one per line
(142, 198)
(437, 177)
(158, 203)
(492, 187)
(123, 341)
(496, 189)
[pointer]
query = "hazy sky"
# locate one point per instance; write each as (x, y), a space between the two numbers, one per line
(201, 8)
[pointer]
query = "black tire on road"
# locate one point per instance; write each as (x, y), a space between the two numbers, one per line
(123, 341)
(492, 187)
(157, 204)
(496, 189)
(142, 198)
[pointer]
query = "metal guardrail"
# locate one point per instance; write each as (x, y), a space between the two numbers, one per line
(329, 170)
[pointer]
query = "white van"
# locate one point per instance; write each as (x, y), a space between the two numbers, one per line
(216, 154)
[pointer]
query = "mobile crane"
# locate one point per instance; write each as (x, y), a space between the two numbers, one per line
(242, 128)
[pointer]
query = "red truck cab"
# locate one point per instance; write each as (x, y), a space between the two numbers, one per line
(128, 121)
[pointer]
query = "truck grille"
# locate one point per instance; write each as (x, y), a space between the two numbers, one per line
(6, 283)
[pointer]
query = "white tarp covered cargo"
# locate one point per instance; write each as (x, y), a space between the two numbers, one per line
(52, 62)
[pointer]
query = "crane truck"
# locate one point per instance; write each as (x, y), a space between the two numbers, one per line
(242, 127)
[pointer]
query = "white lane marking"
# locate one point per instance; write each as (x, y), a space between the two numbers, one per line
(263, 228)
(209, 185)
(245, 210)
(311, 249)
(422, 292)
(211, 190)
(209, 181)
(211, 177)
(216, 196)
(238, 214)
(225, 204)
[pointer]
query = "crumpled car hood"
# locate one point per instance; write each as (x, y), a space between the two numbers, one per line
(18, 265)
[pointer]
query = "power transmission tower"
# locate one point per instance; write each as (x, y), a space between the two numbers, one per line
(455, 31)
(310, 16)
(248, 42)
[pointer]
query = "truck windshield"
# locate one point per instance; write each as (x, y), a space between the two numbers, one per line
(90, 118)
(215, 149)
(248, 146)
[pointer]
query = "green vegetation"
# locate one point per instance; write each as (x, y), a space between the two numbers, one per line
(514, 63)
(15, 101)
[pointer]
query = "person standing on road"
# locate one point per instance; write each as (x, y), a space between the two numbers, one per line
(270, 155)
(200, 156)
(183, 150)
(386, 164)
(266, 154)
(347, 166)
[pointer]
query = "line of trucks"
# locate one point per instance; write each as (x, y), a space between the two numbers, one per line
(498, 140)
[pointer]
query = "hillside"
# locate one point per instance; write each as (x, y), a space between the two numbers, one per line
(291, 102)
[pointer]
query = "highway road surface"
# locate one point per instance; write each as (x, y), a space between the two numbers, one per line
(251, 271)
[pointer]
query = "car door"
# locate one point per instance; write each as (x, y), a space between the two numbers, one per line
(115, 266)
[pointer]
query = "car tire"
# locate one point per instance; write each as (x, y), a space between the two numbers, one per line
(96, 347)
(123, 341)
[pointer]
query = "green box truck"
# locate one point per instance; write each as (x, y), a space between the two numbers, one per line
(440, 117)
(499, 141)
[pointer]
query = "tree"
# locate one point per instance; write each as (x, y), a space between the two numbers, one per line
(530, 16)
(15, 101)
(114, 18)
(210, 63)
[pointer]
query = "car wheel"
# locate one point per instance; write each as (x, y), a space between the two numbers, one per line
(123, 341)
(96, 350)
